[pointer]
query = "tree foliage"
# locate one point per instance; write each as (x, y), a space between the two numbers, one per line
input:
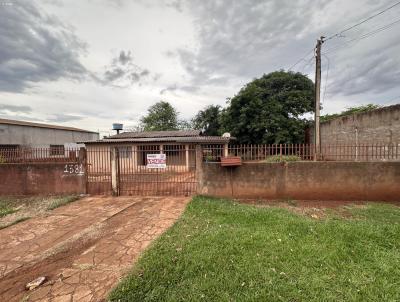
(349, 111)
(270, 109)
(208, 120)
(160, 117)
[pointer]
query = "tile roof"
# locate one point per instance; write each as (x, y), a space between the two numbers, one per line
(156, 134)
(177, 139)
(40, 125)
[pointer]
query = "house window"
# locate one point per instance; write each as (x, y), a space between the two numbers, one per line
(125, 152)
(143, 150)
(173, 150)
(57, 150)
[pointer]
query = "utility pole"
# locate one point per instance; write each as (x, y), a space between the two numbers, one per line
(317, 137)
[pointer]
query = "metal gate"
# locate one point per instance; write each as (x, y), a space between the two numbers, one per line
(125, 170)
(98, 167)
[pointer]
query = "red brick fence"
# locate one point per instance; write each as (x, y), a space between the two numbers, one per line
(375, 178)
(373, 181)
(42, 178)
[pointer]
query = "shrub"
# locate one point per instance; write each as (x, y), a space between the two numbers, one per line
(283, 158)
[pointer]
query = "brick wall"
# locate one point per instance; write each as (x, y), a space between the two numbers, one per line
(42, 178)
(374, 181)
(380, 126)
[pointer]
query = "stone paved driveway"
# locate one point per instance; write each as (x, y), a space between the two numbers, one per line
(83, 248)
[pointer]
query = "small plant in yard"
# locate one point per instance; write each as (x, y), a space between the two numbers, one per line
(61, 201)
(283, 158)
(2, 159)
(6, 208)
(220, 250)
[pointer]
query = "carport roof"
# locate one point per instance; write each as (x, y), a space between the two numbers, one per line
(179, 136)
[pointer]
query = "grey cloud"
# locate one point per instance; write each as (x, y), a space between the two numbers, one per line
(35, 47)
(123, 72)
(176, 4)
(176, 87)
(378, 72)
(243, 39)
(62, 118)
(14, 109)
(125, 57)
(114, 74)
(240, 40)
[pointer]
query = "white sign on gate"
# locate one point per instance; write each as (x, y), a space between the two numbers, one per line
(156, 161)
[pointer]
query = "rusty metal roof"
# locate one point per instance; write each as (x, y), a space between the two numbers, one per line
(177, 139)
(40, 125)
(156, 134)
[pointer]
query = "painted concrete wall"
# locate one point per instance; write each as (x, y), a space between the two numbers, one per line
(41, 179)
(303, 180)
(42, 137)
(378, 126)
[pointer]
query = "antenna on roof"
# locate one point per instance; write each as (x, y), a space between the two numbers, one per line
(117, 127)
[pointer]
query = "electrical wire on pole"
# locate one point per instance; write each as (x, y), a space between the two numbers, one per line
(340, 33)
(364, 36)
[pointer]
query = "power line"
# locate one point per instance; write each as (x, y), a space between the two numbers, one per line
(308, 63)
(302, 59)
(339, 34)
(364, 36)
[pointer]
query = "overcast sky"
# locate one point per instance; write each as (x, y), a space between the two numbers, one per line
(90, 63)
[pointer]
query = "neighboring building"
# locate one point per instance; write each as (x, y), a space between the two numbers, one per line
(179, 147)
(15, 135)
(379, 126)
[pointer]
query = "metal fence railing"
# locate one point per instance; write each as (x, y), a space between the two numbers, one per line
(32, 155)
(212, 153)
(265, 152)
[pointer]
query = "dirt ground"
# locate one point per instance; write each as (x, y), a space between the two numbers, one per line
(82, 248)
(316, 209)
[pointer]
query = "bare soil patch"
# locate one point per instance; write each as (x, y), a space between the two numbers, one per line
(316, 209)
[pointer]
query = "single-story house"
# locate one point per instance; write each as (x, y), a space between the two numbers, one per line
(134, 147)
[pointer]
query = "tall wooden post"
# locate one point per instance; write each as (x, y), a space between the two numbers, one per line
(317, 138)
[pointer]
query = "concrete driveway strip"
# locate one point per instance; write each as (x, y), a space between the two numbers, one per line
(83, 248)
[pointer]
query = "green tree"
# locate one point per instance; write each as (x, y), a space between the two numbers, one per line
(270, 109)
(349, 111)
(160, 117)
(208, 120)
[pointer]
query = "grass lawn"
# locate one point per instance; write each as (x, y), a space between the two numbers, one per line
(224, 251)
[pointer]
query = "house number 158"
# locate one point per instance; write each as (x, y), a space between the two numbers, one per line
(73, 169)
